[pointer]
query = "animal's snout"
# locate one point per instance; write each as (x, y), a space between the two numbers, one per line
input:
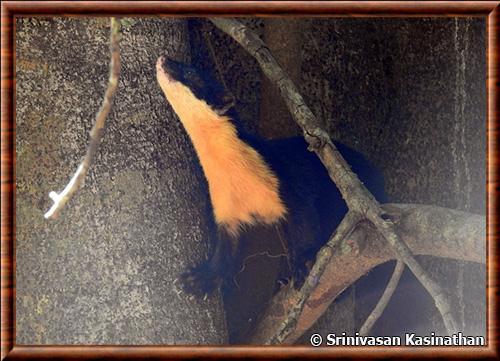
(161, 71)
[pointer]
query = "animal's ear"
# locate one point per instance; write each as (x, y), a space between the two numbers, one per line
(227, 103)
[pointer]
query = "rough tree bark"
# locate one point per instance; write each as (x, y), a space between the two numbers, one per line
(103, 272)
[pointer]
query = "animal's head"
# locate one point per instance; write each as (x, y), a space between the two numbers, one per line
(189, 90)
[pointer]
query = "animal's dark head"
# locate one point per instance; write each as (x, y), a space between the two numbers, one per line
(173, 76)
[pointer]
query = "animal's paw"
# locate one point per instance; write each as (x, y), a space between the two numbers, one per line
(199, 281)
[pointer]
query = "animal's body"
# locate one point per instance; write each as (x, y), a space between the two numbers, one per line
(255, 182)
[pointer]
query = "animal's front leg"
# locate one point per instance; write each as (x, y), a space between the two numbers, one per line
(204, 278)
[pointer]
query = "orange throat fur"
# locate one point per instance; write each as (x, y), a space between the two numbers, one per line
(243, 189)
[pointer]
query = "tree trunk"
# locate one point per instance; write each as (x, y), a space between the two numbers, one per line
(103, 272)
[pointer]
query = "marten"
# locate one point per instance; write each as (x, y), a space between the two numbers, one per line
(254, 182)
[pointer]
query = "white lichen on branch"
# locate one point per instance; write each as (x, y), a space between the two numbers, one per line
(60, 199)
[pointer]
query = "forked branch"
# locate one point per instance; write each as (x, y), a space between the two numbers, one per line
(427, 230)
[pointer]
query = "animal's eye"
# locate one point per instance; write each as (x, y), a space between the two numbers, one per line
(190, 73)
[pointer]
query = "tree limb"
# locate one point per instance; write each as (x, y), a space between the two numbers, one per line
(343, 230)
(428, 230)
(60, 199)
(355, 194)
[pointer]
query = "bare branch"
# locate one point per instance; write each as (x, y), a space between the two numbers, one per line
(428, 230)
(357, 197)
(384, 300)
(60, 199)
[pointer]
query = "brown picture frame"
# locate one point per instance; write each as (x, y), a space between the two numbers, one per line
(11, 9)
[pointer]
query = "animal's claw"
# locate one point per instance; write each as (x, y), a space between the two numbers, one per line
(199, 281)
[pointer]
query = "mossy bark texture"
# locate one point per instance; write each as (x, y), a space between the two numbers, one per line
(103, 272)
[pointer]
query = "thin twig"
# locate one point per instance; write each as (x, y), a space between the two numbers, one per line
(384, 300)
(60, 199)
(355, 194)
(284, 246)
(247, 258)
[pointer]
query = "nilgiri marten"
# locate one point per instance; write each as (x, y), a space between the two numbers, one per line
(254, 182)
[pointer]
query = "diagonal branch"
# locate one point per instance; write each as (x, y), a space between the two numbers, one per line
(60, 199)
(343, 230)
(357, 197)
